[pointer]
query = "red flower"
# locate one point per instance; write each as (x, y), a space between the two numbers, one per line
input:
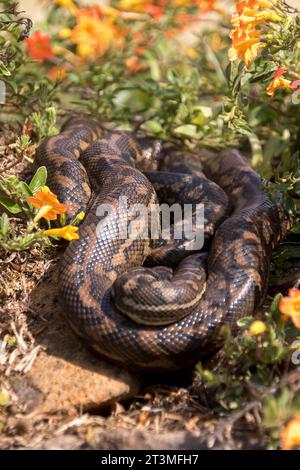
(280, 71)
(39, 47)
(278, 81)
(155, 11)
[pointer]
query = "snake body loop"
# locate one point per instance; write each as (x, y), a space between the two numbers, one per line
(175, 315)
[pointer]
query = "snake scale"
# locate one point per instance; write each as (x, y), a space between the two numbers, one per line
(103, 280)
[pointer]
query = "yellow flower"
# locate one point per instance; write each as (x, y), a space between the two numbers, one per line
(217, 43)
(204, 5)
(290, 435)
(246, 45)
(255, 17)
(93, 35)
(80, 216)
(250, 21)
(47, 203)
(191, 53)
(257, 328)
(131, 5)
(65, 33)
(69, 232)
(69, 4)
(290, 306)
(278, 82)
(242, 4)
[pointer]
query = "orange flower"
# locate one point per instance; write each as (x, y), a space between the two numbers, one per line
(246, 44)
(136, 5)
(206, 5)
(154, 10)
(250, 21)
(92, 34)
(57, 73)
(69, 232)
(39, 47)
(290, 306)
(69, 4)
(278, 82)
(217, 42)
(47, 204)
(290, 435)
(133, 64)
(242, 4)
(254, 17)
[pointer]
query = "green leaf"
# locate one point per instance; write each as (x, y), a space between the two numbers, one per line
(4, 224)
(4, 70)
(154, 65)
(245, 322)
(275, 312)
(10, 205)
(245, 79)
(4, 397)
(214, 60)
(11, 84)
(153, 126)
(296, 228)
(38, 180)
(187, 130)
(244, 131)
(133, 101)
(25, 189)
(199, 120)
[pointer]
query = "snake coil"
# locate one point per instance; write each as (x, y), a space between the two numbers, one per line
(175, 315)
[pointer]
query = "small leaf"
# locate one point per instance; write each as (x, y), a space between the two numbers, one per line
(153, 126)
(4, 70)
(39, 179)
(199, 119)
(187, 130)
(10, 205)
(245, 322)
(296, 228)
(10, 84)
(275, 312)
(207, 374)
(25, 189)
(4, 224)
(131, 100)
(4, 397)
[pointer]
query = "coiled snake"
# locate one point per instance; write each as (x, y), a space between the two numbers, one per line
(175, 316)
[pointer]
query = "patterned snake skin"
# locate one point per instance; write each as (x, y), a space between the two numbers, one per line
(102, 275)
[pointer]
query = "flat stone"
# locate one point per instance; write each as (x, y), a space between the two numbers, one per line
(65, 376)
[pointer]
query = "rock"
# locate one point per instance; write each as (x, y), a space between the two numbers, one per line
(65, 376)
